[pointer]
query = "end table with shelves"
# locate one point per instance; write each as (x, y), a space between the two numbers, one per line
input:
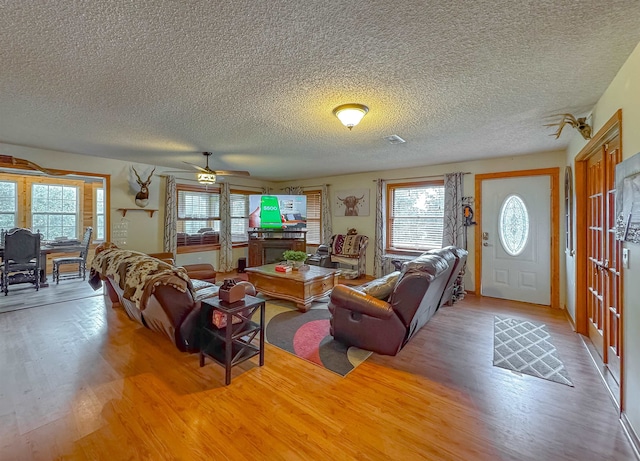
(233, 343)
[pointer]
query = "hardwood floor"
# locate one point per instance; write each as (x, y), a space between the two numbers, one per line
(82, 381)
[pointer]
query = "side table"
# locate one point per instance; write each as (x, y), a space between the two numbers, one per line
(233, 343)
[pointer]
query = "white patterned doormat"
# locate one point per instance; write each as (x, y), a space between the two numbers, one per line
(525, 347)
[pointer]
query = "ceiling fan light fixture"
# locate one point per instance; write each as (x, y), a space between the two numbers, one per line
(350, 114)
(206, 178)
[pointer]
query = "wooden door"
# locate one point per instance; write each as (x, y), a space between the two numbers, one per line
(604, 256)
(516, 235)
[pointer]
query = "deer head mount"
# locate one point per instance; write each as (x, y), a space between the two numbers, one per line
(579, 124)
(142, 197)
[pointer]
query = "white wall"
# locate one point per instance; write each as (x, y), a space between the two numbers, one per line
(624, 92)
(366, 224)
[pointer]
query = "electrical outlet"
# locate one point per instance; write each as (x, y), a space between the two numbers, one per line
(625, 258)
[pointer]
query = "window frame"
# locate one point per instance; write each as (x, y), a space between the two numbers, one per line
(317, 192)
(213, 190)
(390, 190)
(246, 193)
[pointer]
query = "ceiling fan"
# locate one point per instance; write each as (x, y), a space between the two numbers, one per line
(208, 176)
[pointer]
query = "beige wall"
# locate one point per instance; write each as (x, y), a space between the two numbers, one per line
(366, 224)
(624, 92)
(145, 233)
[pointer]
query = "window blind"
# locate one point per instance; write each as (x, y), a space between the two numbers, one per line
(8, 207)
(314, 213)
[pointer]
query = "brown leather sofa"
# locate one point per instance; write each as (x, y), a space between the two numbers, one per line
(384, 315)
(154, 293)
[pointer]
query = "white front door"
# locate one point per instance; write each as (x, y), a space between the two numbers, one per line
(516, 239)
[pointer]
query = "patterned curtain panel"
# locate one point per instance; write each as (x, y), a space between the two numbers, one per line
(378, 253)
(226, 246)
(453, 233)
(327, 226)
(292, 190)
(170, 216)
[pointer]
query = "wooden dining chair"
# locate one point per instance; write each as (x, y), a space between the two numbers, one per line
(80, 260)
(21, 258)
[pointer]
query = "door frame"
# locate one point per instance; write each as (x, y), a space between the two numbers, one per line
(609, 130)
(554, 179)
(604, 134)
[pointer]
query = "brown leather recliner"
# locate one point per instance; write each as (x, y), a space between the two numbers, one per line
(361, 320)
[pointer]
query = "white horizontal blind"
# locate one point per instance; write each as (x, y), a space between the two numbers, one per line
(8, 204)
(198, 210)
(239, 202)
(417, 216)
(314, 223)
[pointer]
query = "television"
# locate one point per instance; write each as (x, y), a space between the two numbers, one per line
(278, 211)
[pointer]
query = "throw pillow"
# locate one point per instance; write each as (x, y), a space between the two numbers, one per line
(381, 288)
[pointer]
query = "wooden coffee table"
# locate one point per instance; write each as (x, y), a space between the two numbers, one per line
(301, 287)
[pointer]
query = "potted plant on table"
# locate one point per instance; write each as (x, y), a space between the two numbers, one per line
(295, 258)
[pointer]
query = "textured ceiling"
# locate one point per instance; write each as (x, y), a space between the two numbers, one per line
(158, 81)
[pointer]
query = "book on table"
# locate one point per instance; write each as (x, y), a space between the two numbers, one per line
(283, 268)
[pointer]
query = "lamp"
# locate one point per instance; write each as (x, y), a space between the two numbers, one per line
(350, 114)
(206, 178)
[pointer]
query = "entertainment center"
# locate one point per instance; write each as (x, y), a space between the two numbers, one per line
(267, 245)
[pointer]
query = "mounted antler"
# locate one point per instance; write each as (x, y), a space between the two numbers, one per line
(142, 197)
(579, 123)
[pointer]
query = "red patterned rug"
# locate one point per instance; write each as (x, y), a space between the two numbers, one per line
(306, 335)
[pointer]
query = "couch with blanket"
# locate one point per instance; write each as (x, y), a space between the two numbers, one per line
(156, 294)
(383, 315)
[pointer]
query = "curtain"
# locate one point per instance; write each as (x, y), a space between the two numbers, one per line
(226, 246)
(327, 227)
(170, 216)
(293, 190)
(378, 254)
(453, 232)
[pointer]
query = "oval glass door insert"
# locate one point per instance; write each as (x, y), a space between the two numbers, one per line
(513, 225)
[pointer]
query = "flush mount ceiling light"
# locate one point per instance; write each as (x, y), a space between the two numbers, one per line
(350, 114)
(206, 178)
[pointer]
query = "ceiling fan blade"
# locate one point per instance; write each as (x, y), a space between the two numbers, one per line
(231, 173)
(204, 170)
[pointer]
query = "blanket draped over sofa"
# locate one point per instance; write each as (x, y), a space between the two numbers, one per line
(138, 275)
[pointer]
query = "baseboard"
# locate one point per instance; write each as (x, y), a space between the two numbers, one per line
(631, 434)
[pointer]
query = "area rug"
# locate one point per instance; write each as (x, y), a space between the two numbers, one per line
(526, 347)
(306, 335)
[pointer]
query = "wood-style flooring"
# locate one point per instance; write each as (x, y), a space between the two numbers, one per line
(79, 380)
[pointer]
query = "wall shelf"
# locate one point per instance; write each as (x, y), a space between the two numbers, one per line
(124, 211)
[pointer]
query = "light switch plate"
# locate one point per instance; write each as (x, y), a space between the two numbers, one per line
(625, 258)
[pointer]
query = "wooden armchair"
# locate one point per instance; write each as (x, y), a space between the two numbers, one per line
(349, 250)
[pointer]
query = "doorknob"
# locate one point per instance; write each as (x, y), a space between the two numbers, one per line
(485, 244)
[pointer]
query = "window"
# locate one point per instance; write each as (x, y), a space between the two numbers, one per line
(100, 218)
(239, 204)
(8, 204)
(54, 210)
(198, 216)
(514, 225)
(415, 216)
(314, 213)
